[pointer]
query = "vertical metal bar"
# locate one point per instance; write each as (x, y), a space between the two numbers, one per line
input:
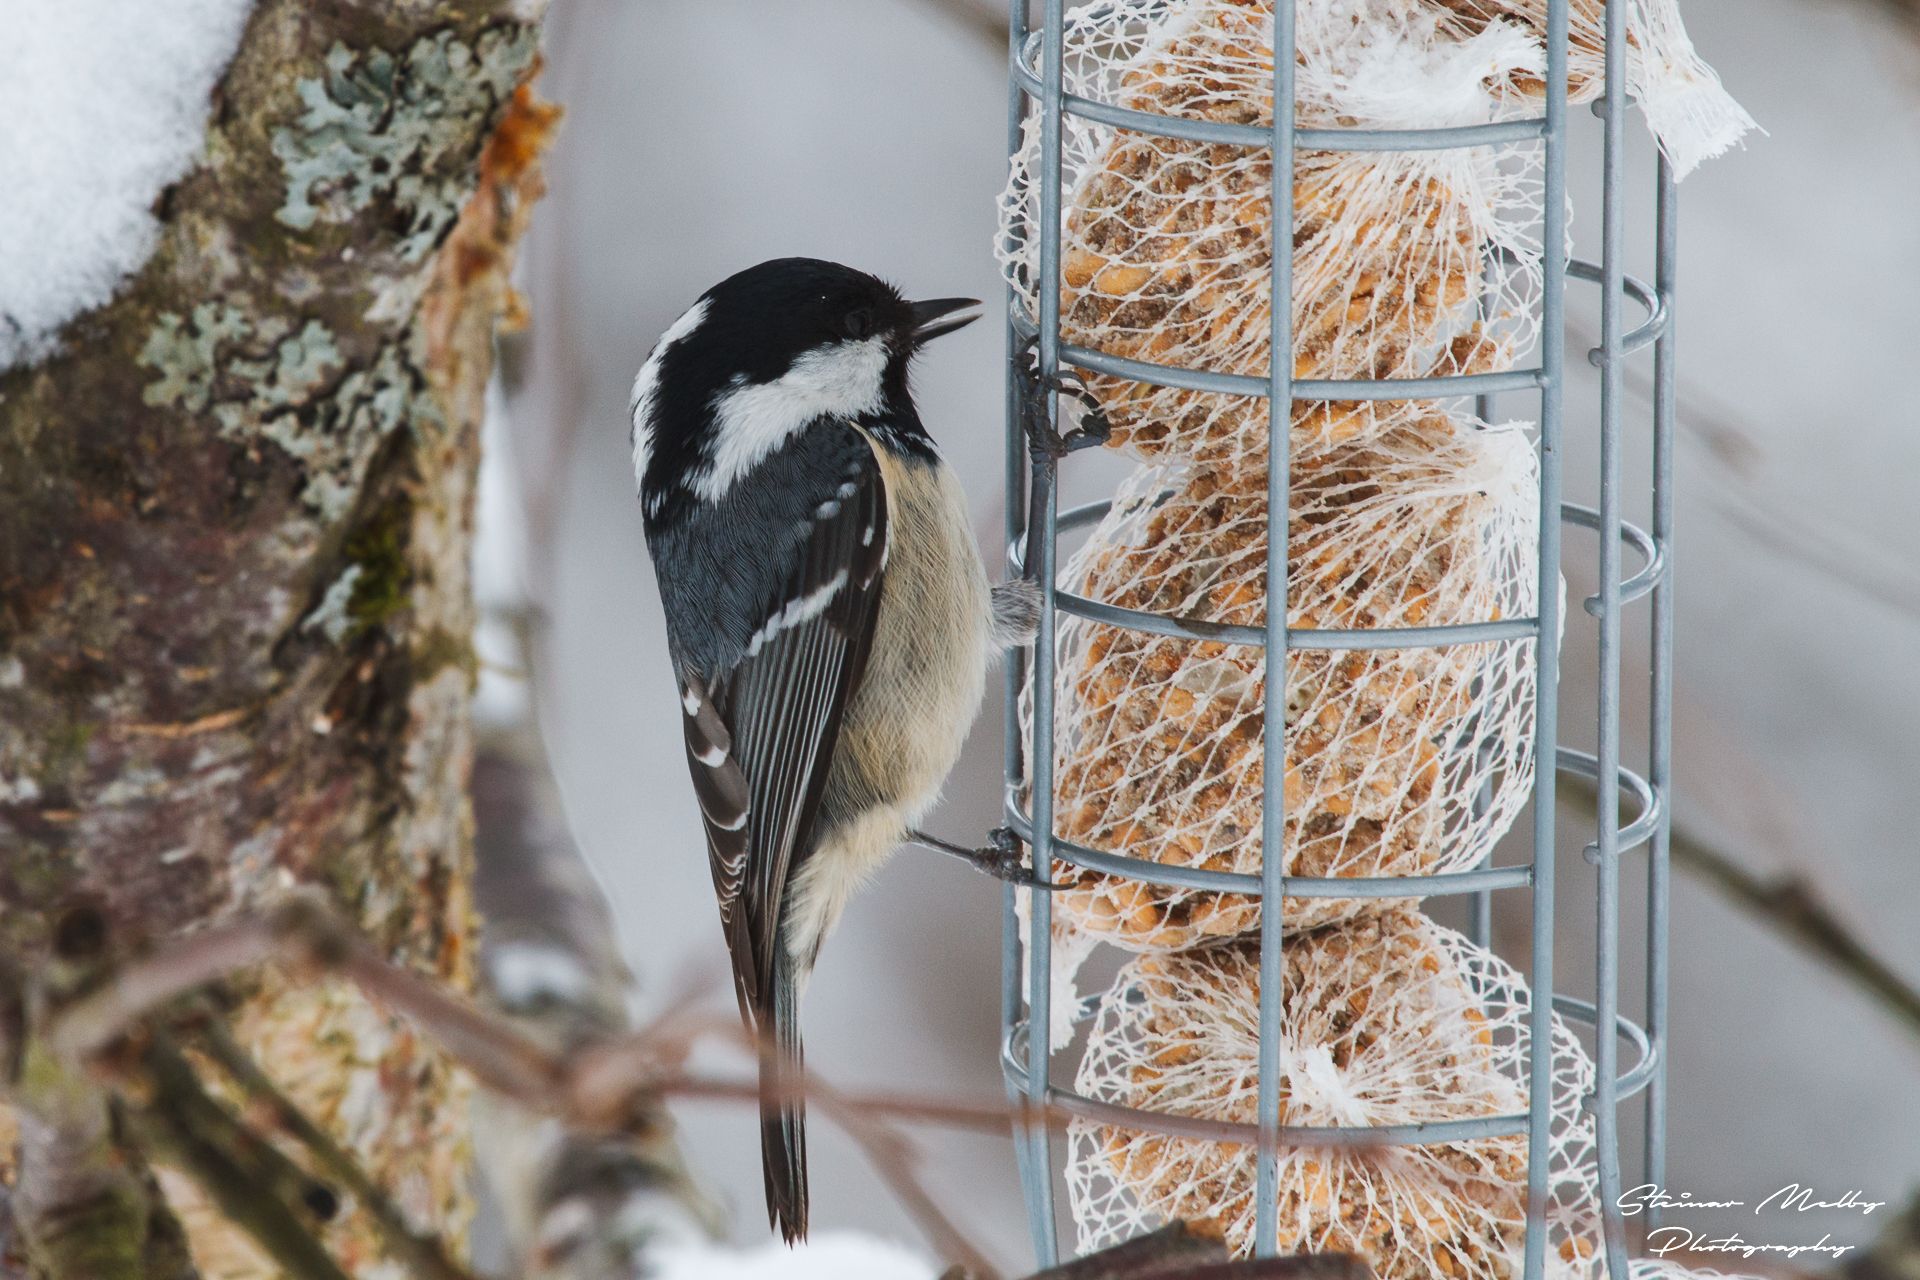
(1274, 734)
(1017, 662)
(1040, 526)
(1480, 905)
(1606, 997)
(1660, 717)
(1553, 232)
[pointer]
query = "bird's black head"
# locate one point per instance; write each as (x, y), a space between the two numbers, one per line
(762, 356)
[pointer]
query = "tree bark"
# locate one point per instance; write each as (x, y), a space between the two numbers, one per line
(235, 620)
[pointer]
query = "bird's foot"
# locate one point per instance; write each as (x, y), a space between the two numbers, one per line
(1091, 427)
(1000, 858)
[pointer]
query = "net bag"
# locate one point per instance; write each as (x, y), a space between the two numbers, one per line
(1400, 761)
(1405, 264)
(1385, 1021)
(1687, 109)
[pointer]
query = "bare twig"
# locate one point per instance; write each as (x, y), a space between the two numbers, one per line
(1174, 1253)
(596, 1086)
(980, 1117)
(1834, 552)
(1792, 906)
(891, 1153)
(894, 1157)
(422, 1255)
(247, 1177)
(610, 1086)
(306, 933)
(191, 962)
(1158, 1253)
(1313, 1266)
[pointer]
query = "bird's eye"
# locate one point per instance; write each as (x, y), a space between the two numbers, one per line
(858, 324)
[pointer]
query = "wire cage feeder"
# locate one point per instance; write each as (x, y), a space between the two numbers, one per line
(1634, 315)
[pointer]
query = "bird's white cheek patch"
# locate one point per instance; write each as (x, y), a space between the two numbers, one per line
(647, 382)
(751, 420)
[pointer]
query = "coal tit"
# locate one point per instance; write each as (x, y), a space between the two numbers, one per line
(828, 615)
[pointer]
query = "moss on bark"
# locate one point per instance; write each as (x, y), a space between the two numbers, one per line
(234, 520)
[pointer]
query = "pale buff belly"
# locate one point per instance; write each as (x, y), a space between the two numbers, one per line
(924, 682)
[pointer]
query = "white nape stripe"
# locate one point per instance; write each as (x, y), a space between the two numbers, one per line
(640, 404)
(752, 420)
(798, 611)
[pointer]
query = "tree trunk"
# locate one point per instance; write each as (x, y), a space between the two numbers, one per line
(235, 622)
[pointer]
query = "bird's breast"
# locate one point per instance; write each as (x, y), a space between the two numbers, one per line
(927, 672)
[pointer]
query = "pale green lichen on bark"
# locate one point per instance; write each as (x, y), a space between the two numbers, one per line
(400, 128)
(297, 370)
(333, 435)
(186, 359)
(331, 618)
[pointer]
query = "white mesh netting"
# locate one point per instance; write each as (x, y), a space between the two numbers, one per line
(1405, 264)
(1663, 1269)
(1399, 761)
(1385, 1021)
(1687, 109)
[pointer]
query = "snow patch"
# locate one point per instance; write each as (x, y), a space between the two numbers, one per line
(525, 973)
(829, 1255)
(106, 102)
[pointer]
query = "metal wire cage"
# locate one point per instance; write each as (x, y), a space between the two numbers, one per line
(1036, 58)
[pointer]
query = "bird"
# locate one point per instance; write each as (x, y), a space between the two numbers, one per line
(829, 621)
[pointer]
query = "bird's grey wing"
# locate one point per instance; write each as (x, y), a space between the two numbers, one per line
(761, 732)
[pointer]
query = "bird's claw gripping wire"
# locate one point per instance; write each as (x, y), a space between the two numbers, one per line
(1044, 441)
(1000, 858)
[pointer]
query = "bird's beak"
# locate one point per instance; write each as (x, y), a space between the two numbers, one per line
(926, 313)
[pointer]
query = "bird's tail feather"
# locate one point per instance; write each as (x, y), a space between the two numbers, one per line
(783, 1106)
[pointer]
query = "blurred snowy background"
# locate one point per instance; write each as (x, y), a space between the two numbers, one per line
(701, 138)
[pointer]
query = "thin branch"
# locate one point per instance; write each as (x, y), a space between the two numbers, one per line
(606, 1087)
(894, 1157)
(1834, 552)
(1158, 1253)
(1792, 906)
(989, 1118)
(422, 1255)
(891, 1153)
(169, 973)
(304, 932)
(1310, 1266)
(247, 1177)
(596, 1087)
(1173, 1253)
